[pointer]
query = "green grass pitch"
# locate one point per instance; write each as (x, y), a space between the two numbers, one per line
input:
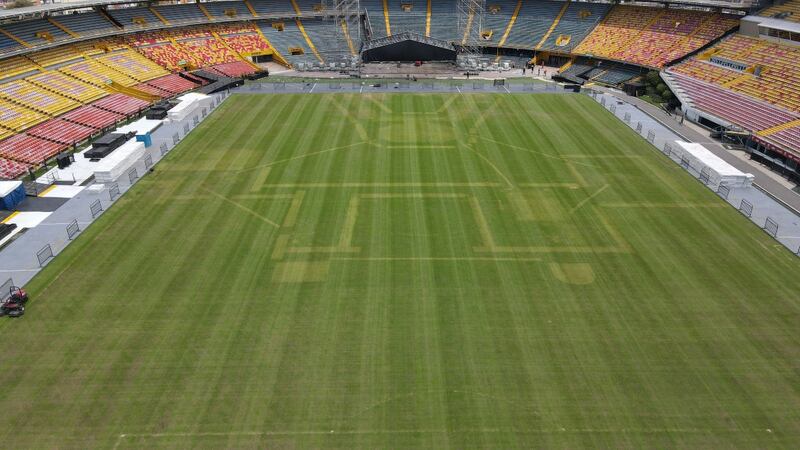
(388, 271)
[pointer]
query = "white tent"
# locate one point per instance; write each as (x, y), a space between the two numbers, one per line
(719, 171)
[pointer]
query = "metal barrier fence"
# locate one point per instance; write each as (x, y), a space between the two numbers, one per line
(113, 191)
(746, 208)
(133, 175)
(44, 254)
(704, 175)
(175, 139)
(148, 162)
(164, 149)
(73, 229)
(186, 128)
(771, 227)
(96, 207)
(723, 191)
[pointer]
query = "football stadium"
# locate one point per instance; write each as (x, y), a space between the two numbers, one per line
(400, 224)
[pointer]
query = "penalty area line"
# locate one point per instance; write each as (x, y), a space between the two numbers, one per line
(242, 207)
(305, 155)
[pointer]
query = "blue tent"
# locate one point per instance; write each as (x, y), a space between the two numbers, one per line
(12, 194)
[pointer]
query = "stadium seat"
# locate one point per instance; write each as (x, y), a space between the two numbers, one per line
(16, 65)
(653, 36)
(29, 149)
(18, 118)
(93, 117)
(789, 10)
(61, 131)
(95, 73)
(67, 86)
(31, 96)
(133, 65)
(121, 104)
(12, 169)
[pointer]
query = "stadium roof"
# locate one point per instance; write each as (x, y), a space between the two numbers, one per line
(29, 11)
(777, 24)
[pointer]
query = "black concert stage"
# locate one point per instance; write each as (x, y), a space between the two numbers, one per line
(407, 46)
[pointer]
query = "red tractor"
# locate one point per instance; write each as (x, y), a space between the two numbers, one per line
(14, 305)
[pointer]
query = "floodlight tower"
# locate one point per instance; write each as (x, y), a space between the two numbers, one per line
(470, 24)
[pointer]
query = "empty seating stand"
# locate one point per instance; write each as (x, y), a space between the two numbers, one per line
(173, 84)
(12, 169)
(789, 10)
(35, 32)
(653, 36)
(29, 149)
(121, 104)
(175, 14)
(93, 117)
(730, 106)
(86, 23)
(67, 86)
(15, 66)
(289, 38)
(8, 44)
(133, 65)
(275, 7)
(61, 131)
(535, 19)
(18, 118)
(134, 17)
(31, 96)
(578, 20)
(224, 10)
(234, 69)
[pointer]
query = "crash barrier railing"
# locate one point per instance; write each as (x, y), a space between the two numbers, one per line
(133, 175)
(746, 208)
(73, 229)
(113, 191)
(96, 208)
(148, 162)
(771, 227)
(44, 254)
(723, 191)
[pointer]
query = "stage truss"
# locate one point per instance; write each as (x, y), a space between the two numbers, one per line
(470, 25)
(347, 16)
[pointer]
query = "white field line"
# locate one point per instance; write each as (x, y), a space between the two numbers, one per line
(123, 436)
(587, 199)
(312, 88)
(305, 155)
